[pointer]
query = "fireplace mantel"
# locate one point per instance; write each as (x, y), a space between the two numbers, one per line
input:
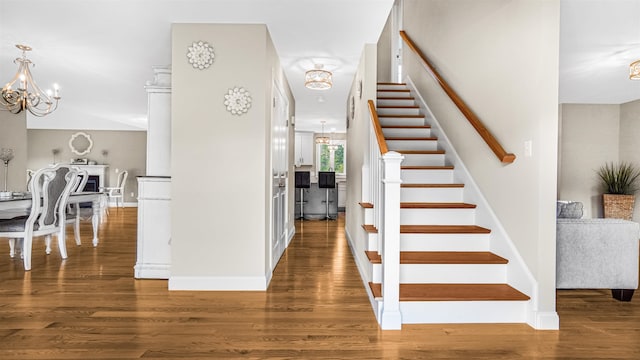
(95, 170)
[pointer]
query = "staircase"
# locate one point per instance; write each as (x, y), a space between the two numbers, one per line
(447, 273)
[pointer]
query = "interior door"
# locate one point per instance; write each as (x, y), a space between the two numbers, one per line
(279, 160)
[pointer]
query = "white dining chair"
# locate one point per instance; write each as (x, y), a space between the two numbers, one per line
(73, 212)
(50, 190)
(117, 192)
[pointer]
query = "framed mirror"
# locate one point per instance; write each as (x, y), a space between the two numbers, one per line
(80, 143)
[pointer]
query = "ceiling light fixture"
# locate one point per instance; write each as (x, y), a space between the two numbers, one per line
(318, 79)
(322, 139)
(22, 92)
(634, 70)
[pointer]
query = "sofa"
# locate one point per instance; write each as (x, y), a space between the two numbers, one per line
(596, 253)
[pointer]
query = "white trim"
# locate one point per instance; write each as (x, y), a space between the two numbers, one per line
(219, 283)
(128, 204)
(545, 320)
(152, 271)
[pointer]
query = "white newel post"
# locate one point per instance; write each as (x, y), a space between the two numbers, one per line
(154, 190)
(391, 318)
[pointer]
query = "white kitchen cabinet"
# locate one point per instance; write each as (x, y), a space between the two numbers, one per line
(304, 148)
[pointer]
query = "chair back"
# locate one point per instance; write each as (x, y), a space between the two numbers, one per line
(50, 189)
(81, 180)
(122, 179)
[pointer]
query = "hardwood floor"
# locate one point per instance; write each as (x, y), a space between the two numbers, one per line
(90, 307)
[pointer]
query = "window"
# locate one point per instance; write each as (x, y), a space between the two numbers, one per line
(332, 160)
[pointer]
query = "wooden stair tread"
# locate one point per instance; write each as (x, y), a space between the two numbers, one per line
(442, 257)
(370, 229)
(412, 138)
(366, 205)
(394, 98)
(431, 185)
(419, 152)
(443, 229)
(454, 292)
(400, 116)
(419, 167)
(393, 90)
(436, 205)
(406, 127)
(398, 106)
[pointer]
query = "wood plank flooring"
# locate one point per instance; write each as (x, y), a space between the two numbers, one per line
(90, 307)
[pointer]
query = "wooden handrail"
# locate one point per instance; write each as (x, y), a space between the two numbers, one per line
(382, 143)
(491, 141)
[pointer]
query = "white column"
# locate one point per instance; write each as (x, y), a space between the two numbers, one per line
(159, 122)
(391, 318)
(154, 190)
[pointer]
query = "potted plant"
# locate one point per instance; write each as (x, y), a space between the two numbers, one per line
(620, 184)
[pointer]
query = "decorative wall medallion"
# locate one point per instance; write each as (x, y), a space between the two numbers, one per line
(359, 89)
(237, 101)
(200, 55)
(352, 107)
(80, 143)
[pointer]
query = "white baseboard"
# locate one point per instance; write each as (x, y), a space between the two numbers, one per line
(218, 283)
(546, 320)
(152, 271)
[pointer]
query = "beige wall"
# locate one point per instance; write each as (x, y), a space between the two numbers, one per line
(221, 169)
(588, 139)
(592, 135)
(383, 53)
(13, 135)
(127, 150)
(478, 48)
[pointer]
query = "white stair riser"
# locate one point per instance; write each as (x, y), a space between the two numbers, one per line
(423, 160)
(398, 111)
(391, 93)
(444, 242)
(455, 312)
(371, 242)
(412, 144)
(447, 273)
(398, 86)
(395, 132)
(437, 216)
(419, 176)
(400, 121)
(431, 194)
(395, 102)
(368, 215)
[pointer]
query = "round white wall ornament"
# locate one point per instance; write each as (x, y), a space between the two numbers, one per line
(200, 55)
(237, 101)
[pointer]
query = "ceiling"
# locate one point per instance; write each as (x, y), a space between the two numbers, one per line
(101, 51)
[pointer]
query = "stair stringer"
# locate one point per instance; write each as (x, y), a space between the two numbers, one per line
(519, 275)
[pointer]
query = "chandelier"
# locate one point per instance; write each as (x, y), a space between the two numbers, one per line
(22, 92)
(318, 79)
(634, 70)
(322, 139)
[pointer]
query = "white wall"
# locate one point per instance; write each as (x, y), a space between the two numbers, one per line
(358, 138)
(502, 59)
(588, 139)
(221, 162)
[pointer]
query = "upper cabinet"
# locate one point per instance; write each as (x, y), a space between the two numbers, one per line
(304, 148)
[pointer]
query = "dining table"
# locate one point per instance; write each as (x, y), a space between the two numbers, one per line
(19, 203)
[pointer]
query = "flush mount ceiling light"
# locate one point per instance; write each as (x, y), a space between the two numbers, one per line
(322, 139)
(318, 79)
(22, 92)
(634, 70)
